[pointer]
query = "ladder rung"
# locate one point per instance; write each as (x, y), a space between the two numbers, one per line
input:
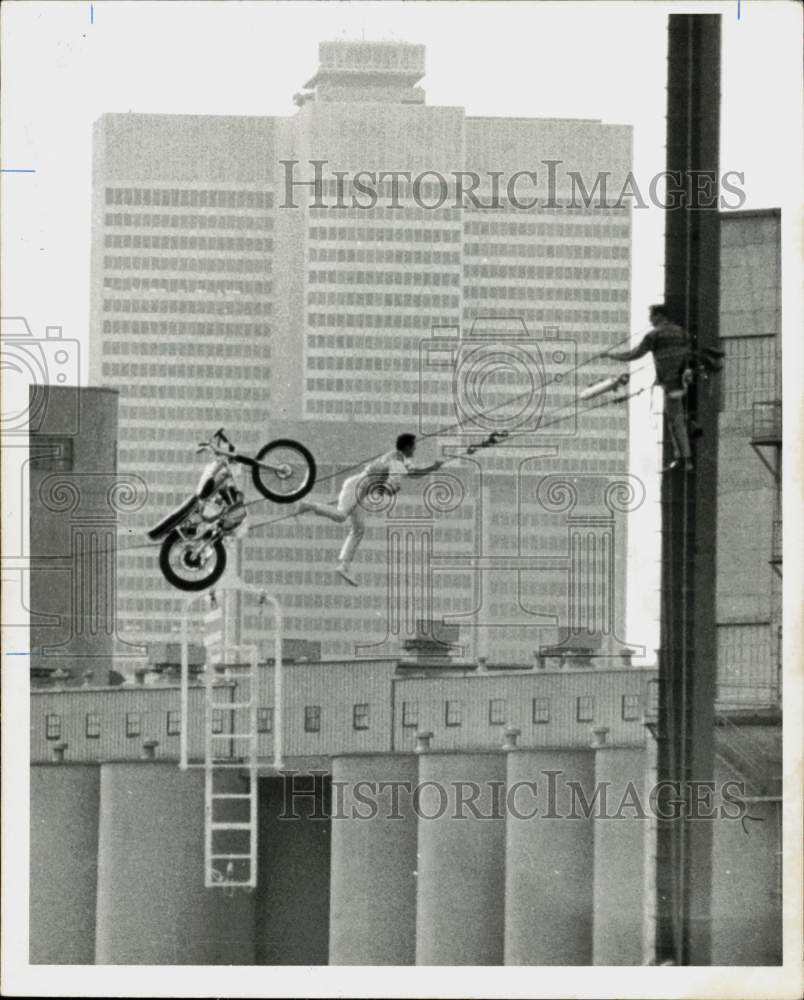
(231, 826)
(231, 795)
(223, 857)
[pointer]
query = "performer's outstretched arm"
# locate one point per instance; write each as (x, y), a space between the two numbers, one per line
(424, 470)
(639, 351)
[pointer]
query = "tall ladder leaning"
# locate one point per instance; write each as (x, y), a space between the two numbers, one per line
(231, 757)
(230, 770)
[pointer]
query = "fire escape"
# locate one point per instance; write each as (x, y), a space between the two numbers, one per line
(766, 440)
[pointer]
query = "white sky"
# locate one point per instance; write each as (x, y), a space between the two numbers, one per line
(60, 72)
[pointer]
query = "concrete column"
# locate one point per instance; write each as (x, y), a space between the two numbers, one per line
(292, 897)
(619, 883)
(461, 872)
(549, 852)
(152, 906)
(63, 866)
(373, 875)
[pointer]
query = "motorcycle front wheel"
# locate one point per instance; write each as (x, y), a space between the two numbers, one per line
(187, 571)
(286, 471)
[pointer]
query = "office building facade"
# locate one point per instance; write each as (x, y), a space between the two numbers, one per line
(748, 708)
(243, 277)
(76, 499)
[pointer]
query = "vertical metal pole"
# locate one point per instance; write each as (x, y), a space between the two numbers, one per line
(184, 691)
(253, 779)
(209, 681)
(688, 660)
(278, 679)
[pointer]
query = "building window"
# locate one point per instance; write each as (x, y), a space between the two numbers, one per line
(92, 726)
(133, 724)
(630, 709)
(653, 697)
(312, 718)
(541, 709)
(51, 453)
(53, 726)
(497, 712)
(453, 713)
(585, 708)
(410, 713)
(265, 720)
(173, 722)
(217, 721)
(360, 716)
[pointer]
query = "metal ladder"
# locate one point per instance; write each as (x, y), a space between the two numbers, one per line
(230, 771)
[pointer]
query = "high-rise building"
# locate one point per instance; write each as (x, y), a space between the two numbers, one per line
(749, 579)
(371, 265)
(75, 501)
(73, 491)
(749, 595)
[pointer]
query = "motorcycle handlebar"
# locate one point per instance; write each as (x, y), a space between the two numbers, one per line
(215, 449)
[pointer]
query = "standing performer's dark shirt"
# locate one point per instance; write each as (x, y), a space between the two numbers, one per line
(670, 346)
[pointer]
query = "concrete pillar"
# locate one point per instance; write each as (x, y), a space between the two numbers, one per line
(152, 906)
(373, 879)
(461, 871)
(549, 858)
(619, 883)
(292, 897)
(63, 866)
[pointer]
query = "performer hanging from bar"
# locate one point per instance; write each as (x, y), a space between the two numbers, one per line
(387, 470)
(672, 357)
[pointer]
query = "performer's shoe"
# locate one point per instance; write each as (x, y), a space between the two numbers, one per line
(345, 575)
(302, 507)
(688, 466)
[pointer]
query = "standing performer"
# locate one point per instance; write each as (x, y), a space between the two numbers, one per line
(672, 356)
(388, 470)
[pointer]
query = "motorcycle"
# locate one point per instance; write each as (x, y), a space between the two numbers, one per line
(193, 553)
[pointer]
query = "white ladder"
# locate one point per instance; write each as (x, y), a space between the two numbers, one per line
(230, 771)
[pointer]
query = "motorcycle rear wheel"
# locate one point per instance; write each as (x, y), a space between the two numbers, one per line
(185, 573)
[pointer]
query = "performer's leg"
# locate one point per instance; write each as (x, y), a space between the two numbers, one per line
(353, 540)
(354, 537)
(323, 510)
(677, 422)
(345, 505)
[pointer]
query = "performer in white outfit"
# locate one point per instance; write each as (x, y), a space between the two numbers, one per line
(387, 469)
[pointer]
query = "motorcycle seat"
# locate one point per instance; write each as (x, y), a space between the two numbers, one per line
(172, 519)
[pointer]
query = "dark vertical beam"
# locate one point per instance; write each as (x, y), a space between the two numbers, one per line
(688, 663)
